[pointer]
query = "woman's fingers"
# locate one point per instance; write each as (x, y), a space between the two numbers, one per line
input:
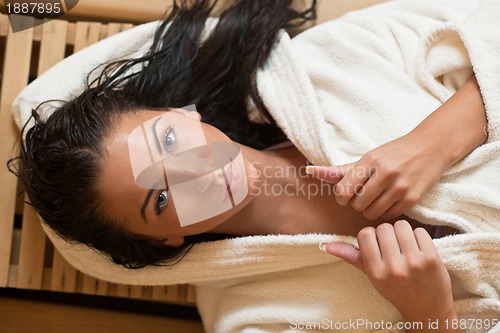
(397, 199)
(370, 251)
(372, 192)
(390, 204)
(347, 253)
(329, 174)
(367, 259)
(424, 242)
(367, 189)
(388, 242)
(361, 186)
(386, 248)
(353, 184)
(406, 238)
(386, 181)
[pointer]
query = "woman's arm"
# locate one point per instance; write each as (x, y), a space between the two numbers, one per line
(392, 178)
(405, 268)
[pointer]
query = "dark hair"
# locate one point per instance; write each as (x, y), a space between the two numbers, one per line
(60, 156)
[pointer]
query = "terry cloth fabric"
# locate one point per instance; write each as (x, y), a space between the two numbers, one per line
(338, 90)
(350, 85)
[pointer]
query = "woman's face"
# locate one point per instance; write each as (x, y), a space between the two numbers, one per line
(166, 175)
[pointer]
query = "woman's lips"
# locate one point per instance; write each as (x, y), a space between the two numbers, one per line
(233, 177)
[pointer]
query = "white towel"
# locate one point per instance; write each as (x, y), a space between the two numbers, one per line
(338, 90)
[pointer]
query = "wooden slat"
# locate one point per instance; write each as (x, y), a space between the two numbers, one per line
(63, 274)
(86, 33)
(94, 286)
(47, 278)
(12, 280)
(52, 45)
(4, 25)
(191, 294)
(182, 293)
(101, 288)
(136, 292)
(32, 251)
(15, 76)
(123, 290)
(165, 293)
(147, 292)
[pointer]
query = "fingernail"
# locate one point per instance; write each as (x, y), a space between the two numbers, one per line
(322, 246)
(310, 169)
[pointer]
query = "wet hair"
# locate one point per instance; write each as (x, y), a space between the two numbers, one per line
(60, 156)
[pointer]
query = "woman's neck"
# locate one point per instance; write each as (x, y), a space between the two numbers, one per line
(288, 201)
(283, 198)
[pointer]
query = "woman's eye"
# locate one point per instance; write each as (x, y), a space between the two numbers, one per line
(161, 201)
(169, 139)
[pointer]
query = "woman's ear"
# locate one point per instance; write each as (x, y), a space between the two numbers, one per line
(191, 114)
(173, 241)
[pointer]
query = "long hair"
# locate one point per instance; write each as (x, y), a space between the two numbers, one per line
(60, 157)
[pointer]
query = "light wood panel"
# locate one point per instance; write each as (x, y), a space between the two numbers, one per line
(331, 9)
(30, 270)
(133, 11)
(130, 11)
(23, 316)
(15, 77)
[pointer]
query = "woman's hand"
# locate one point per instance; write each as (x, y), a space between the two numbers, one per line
(392, 178)
(405, 268)
(388, 180)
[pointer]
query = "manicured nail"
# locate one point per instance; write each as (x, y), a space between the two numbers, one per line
(309, 169)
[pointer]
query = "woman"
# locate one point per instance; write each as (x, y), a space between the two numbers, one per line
(78, 164)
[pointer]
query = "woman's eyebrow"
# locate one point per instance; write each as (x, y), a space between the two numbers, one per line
(145, 204)
(155, 135)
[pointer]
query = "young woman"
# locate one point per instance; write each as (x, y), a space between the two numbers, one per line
(80, 164)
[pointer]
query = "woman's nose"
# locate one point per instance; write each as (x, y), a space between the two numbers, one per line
(194, 165)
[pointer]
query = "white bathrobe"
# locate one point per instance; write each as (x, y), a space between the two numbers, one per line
(350, 85)
(339, 90)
